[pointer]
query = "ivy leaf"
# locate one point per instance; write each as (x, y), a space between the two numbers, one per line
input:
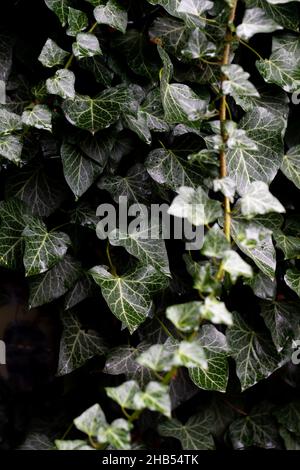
(62, 84)
(43, 249)
(288, 416)
(181, 104)
(191, 354)
(235, 266)
(158, 357)
(54, 283)
(256, 21)
(76, 444)
(215, 243)
(82, 289)
(112, 14)
(98, 113)
(36, 189)
(135, 185)
(77, 21)
(91, 420)
(173, 34)
(186, 317)
(165, 167)
(123, 360)
(101, 73)
(116, 434)
(146, 244)
(258, 200)
(215, 311)
(124, 394)
(237, 83)
(291, 166)
(195, 205)
(11, 147)
(198, 46)
(155, 398)
(255, 240)
(152, 110)
(80, 172)
(215, 376)
(255, 430)
(265, 128)
(77, 345)
(263, 287)
(193, 435)
(60, 8)
(188, 10)
(129, 296)
(226, 186)
(282, 68)
(288, 244)
(282, 320)
(291, 441)
(9, 122)
(11, 228)
(285, 15)
(292, 279)
(254, 353)
(39, 117)
(86, 45)
(52, 55)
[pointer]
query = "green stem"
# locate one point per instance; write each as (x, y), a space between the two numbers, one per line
(112, 267)
(250, 48)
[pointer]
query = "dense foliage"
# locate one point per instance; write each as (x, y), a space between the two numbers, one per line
(162, 101)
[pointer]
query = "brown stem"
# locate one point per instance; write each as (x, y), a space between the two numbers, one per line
(223, 106)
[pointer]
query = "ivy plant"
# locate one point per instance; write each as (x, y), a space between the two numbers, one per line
(171, 102)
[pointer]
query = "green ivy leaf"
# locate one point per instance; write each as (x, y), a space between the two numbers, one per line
(193, 435)
(113, 14)
(188, 10)
(215, 376)
(147, 245)
(155, 398)
(254, 353)
(195, 205)
(291, 441)
(43, 249)
(256, 430)
(265, 129)
(256, 21)
(237, 83)
(257, 199)
(91, 420)
(9, 122)
(191, 354)
(54, 283)
(62, 84)
(285, 15)
(288, 416)
(216, 311)
(86, 45)
(235, 266)
(135, 185)
(281, 319)
(291, 166)
(77, 345)
(158, 357)
(80, 172)
(292, 278)
(76, 444)
(290, 246)
(11, 228)
(77, 21)
(60, 8)
(282, 68)
(124, 394)
(39, 117)
(123, 360)
(186, 317)
(116, 434)
(215, 243)
(98, 113)
(11, 147)
(166, 167)
(36, 188)
(129, 296)
(181, 104)
(52, 55)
